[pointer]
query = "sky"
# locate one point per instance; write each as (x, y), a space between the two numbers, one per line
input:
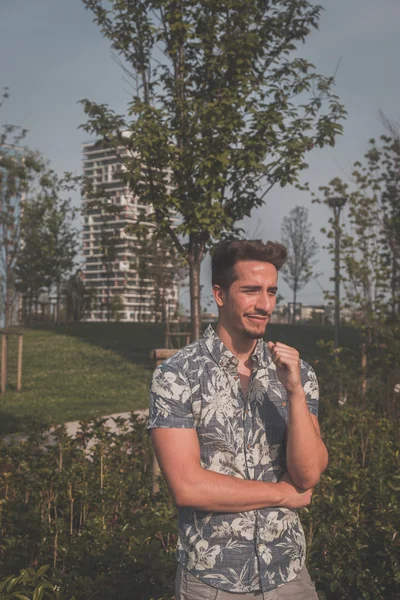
(52, 55)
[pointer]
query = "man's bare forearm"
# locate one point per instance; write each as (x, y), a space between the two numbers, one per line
(215, 492)
(306, 454)
(191, 485)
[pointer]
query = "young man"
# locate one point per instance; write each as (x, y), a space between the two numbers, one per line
(234, 427)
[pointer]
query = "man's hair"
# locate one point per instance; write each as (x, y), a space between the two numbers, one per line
(228, 253)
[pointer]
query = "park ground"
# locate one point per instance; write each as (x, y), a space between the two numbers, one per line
(86, 370)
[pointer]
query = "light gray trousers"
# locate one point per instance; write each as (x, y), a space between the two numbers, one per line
(188, 587)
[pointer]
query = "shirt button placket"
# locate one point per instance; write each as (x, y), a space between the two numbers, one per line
(247, 425)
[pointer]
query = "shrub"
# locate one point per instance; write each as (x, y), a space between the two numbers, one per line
(353, 523)
(85, 507)
(28, 585)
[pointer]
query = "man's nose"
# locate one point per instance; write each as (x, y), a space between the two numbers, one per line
(264, 302)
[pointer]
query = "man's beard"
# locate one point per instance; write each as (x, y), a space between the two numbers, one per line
(254, 335)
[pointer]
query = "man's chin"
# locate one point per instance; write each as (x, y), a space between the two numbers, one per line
(255, 334)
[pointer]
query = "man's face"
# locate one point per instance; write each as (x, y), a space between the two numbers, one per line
(246, 307)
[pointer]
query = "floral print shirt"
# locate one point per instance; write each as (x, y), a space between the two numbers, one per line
(199, 388)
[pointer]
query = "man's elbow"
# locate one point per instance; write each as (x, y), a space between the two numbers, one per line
(308, 481)
(180, 498)
(310, 478)
(183, 495)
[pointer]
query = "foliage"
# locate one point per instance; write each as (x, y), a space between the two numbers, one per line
(159, 265)
(28, 585)
(79, 298)
(84, 506)
(85, 503)
(371, 240)
(38, 243)
(223, 109)
(352, 526)
(302, 247)
(20, 170)
(370, 259)
(109, 241)
(117, 306)
(49, 245)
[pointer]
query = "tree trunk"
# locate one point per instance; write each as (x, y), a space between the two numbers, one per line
(194, 259)
(58, 319)
(294, 304)
(29, 316)
(8, 308)
(394, 290)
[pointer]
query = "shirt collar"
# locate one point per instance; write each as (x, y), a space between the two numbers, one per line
(225, 359)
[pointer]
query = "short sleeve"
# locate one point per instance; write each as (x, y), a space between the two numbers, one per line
(170, 399)
(310, 386)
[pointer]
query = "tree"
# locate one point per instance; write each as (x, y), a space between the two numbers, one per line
(20, 171)
(371, 261)
(223, 109)
(371, 240)
(37, 240)
(302, 247)
(159, 265)
(391, 125)
(78, 297)
(109, 252)
(49, 242)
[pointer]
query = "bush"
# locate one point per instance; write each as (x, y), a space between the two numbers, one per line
(85, 507)
(352, 526)
(28, 585)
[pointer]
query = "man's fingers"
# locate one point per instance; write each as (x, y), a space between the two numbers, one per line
(287, 353)
(278, 347)
(285, 357)
(284, 346)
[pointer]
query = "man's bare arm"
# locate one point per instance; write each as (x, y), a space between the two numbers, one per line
(306, 454)
(178, 454)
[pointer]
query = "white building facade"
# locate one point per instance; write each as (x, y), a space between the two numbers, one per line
(111, 268)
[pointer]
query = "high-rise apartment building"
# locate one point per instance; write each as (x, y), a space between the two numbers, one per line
(112, 252)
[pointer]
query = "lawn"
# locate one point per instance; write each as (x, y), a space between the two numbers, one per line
(94, 369)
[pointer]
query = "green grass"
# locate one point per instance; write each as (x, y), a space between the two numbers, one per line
(79, 372)
(94, 369)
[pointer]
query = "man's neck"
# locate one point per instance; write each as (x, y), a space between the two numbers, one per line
(241, 347)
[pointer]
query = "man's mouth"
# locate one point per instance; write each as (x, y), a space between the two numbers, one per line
(258, 318)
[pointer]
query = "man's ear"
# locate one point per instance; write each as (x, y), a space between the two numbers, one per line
(219, 295)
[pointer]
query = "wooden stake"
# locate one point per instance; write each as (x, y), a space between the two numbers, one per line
(19, 372)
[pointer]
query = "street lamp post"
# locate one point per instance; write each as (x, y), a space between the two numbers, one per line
(336, 203)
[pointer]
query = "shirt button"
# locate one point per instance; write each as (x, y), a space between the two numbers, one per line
(284, 403)
(236, 377)
(248, 446)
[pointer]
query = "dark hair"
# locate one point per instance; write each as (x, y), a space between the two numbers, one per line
(228, 253)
